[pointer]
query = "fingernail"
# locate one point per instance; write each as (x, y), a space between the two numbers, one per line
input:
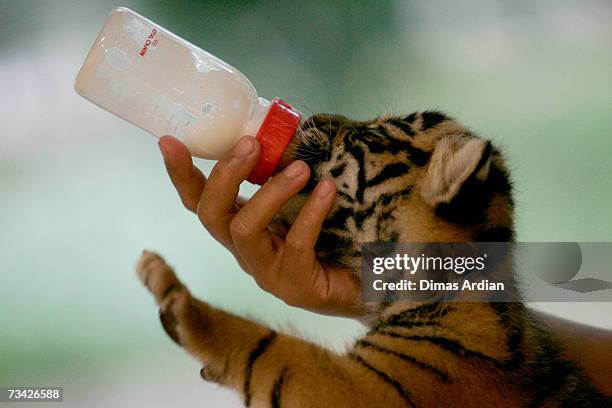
(244, 148)
(324, 189)
(294, 169)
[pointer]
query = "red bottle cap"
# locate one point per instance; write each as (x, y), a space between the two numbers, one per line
(276, 131)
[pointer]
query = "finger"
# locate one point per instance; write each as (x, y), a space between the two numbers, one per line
(306, 228)
(249, 228)
(299, 246)
(186, 178)
(217, 203)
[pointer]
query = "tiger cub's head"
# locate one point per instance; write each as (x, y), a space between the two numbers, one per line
(419, 178)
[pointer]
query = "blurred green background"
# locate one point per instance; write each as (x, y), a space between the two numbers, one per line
(82, 192)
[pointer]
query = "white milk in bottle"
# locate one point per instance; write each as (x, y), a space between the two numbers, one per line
(168, 86)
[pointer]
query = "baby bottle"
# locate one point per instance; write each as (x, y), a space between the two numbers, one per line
(168, 86)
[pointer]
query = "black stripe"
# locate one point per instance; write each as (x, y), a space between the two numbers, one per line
(275, 397)
(406, 323)
(430, 312)
(410, 118)
(345, 196)
(403, 126)
(338, 170)
(170, 323)
(377, 141)
(261, 347)
(386, 142)
(176, 286)
(452, 346)
(416, 155)
(385, 199)
(431, 119)
(439, 373)
(361, 216)
(381, 129)
(359, 155)
(494, 234)
(332, 245)
(512, 318)
(393, 145)
(428, 309)
(390, 171)
(384, 229)
(338, 219)
(398, 387)
(356, 144)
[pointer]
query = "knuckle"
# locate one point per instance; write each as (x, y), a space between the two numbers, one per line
(212, 224)
(295, 243)
(239, 228)
(269, 280)
(323, 292)
(222, 171)
(206, 217)
(267, 284)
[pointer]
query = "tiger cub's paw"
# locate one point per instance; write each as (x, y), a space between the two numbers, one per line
(174, 300)
(184, 318)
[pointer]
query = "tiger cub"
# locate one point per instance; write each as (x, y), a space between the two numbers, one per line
(419, 178)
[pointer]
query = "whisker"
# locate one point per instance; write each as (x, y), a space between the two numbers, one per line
(302, 105)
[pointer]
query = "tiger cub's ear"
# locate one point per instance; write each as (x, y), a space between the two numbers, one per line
(456, 161)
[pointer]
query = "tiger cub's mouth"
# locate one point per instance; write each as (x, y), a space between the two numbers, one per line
(310, 144)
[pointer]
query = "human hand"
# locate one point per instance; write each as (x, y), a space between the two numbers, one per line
(283, 264)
